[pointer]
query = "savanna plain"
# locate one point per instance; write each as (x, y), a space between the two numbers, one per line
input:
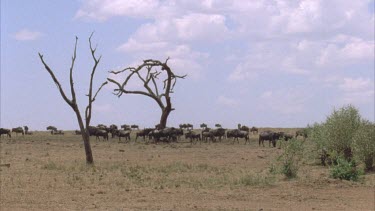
(48, 172)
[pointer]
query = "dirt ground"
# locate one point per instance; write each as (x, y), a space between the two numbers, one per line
(48, 172)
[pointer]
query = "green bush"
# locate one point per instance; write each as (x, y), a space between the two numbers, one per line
(335, 135)
(364, 144)
(290, 158)
(340, 128)
(345, 170)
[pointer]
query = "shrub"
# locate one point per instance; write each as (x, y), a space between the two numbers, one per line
(344, 169)
(335, 135)
(290, 158)
(340, 128)
(364, 144)
(319, 137)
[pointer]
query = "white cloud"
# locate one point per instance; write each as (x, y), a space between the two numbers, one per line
(347, 50)
(358, 98)
(303, 17)
(314, 40)
(359, 84)
(104, 9)
(133, 45)
(225, 101)
(357, 91)
(284, 101)
(27, 35)
(208, 27)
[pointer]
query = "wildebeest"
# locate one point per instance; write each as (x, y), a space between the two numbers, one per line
(193, 136)
(123, 133)
(302, 133)
(101, 133)
(203, 126)
(27, 132)
(243, 127)
(207, 135)
(166, 134)
(143, 133)
(236, 134)
(218, 132)
(269, 136)
(78, 132)
(18, 130)
(125, 127)
(134, 127)
(51, 128)
(98, 132)
(187, 126)
(113, 130)
(211, 134)
(254, 130)
(286, 136)
(5, 131)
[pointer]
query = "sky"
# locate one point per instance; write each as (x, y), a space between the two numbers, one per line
(264, 63)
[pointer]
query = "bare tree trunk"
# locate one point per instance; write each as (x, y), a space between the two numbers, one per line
(164, 117)
(86, 137)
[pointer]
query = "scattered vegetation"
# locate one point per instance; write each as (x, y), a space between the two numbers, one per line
(256, 180)
(290, 158)
(341, 139)
(344, 169)
(364, 144)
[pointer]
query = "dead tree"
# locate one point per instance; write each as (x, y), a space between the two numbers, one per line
(149, 74)
(73, 101)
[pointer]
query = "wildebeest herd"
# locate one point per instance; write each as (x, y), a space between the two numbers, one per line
(172, 134)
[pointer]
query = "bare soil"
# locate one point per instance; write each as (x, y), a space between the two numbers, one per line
(48, 172)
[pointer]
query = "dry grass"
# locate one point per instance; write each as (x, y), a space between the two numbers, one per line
(49, 172)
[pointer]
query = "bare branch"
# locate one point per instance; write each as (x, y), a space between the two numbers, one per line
(163, 99)
(103, 84)
(156, 87)
(71, 73)
(96, 62)
(69, 102)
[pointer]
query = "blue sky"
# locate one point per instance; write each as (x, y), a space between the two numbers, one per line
(275, 63)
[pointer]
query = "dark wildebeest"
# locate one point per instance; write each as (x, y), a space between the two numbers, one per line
(207, 135)
(96, 131)
(123, 133)
(210, 134)
(113, 130)
(143, 133)
(166, 134)
(243, 127)
(5, 131)
(18, 130)
(218, 132)
(269, 136)
(203, 126)
(27, 132)
(101, 133)
(254, 130)
(193, 136)
(77, 132)
(236, 134)
(134, 127)
(52, 129)
(126, 127)
(286, 136)
(302, 133)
